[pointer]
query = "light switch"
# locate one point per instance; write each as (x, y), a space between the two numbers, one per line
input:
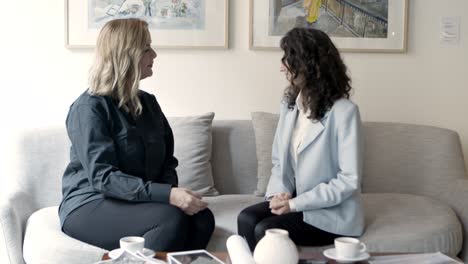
(450, 30)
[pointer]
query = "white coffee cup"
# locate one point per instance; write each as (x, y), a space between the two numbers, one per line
(348, 247)
(132, 243)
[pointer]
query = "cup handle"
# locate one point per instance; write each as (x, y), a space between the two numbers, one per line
(363, 248)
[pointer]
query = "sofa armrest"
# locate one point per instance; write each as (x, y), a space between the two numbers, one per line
(455, 194)
(15, 209)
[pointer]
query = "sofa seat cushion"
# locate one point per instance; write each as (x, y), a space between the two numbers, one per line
(394, 223)
(44, 242)
(226, 208)
(407, 223)
(410, 223)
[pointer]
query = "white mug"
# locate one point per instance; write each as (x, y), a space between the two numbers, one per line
(132, 243)
(348, 247)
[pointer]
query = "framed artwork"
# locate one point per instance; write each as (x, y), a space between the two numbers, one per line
(353, 25)
(173, 23)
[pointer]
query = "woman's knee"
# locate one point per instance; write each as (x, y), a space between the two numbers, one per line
(168, 234)
(205, 220)
(176, 220)
(247, 217)
(262, 227)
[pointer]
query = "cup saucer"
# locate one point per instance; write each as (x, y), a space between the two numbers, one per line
(331, 254)
(118, 251)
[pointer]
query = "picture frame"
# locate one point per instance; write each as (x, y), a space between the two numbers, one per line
(353, 27)
(173, 24)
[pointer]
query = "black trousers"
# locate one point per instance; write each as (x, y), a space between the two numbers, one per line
(165, 227)
(253, 221)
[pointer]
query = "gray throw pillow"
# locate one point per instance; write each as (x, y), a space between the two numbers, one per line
(192, 147)
(264, 125)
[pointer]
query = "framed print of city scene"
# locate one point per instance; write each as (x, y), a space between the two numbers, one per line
(353, 25)
(172, 23)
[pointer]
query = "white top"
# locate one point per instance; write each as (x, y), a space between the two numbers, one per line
(303, 124)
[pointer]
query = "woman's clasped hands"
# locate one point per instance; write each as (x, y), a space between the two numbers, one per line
(279, 204)
(188, 201)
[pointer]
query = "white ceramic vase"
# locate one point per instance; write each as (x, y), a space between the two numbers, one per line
(276, 248)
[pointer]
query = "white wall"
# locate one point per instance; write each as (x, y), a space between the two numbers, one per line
(427, 85)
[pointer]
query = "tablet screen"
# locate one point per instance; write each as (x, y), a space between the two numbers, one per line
(196, 258)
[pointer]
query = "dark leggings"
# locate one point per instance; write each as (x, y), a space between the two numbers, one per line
(256, 219)
(165, 228)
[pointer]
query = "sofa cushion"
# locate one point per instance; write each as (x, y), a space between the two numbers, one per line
(264, 125)
(44, 242)
(233, 159)
(192, 147)
(394, 223)
(410, 223)
(226, 208)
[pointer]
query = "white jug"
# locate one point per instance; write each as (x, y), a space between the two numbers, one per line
(276, 248)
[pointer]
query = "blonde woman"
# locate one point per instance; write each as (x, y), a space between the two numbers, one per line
(312, 8)
(121, 179)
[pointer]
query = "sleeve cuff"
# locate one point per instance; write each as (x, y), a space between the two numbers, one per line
(292, 205)
(270, 196)
(160, 192)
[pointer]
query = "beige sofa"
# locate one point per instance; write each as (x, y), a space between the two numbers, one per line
(415, 192)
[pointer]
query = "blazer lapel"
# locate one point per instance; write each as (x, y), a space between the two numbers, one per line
(289, 124)
(311, 135)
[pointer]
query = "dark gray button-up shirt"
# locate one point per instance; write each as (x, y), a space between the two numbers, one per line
(115, 155)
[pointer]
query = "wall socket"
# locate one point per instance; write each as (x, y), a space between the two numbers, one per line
(450, 30)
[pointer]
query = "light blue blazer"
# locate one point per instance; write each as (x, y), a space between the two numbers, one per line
(328, 171)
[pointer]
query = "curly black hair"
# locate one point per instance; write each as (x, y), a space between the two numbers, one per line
(316, 70)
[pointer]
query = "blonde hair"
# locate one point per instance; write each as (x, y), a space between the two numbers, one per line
(116, 72)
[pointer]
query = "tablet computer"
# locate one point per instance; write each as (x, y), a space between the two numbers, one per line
(193, 257)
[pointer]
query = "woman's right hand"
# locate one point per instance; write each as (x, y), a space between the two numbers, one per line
(188, 201)
(278, 200)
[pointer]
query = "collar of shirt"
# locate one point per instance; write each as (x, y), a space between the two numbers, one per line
(300, 105)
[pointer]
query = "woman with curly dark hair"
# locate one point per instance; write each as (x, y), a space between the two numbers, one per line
(314, 188)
